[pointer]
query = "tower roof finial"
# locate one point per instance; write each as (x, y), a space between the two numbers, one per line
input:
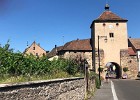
(107, 7)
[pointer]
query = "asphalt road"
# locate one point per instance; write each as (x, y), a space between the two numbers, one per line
(127, 89)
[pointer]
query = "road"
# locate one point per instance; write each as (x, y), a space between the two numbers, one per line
(127, 89)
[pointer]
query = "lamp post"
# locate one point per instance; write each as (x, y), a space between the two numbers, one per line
(99, 56)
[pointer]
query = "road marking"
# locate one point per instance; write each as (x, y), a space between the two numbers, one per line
(113, 91)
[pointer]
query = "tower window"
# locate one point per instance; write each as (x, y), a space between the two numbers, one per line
(33, 48)
(111, 35)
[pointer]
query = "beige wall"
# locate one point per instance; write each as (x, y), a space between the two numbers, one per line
(38, 50)
(113, 45)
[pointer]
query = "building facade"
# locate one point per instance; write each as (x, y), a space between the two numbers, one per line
(35, 50)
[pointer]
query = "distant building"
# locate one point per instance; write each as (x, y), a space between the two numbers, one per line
(54, 53)
(35, 50)
(76, 49)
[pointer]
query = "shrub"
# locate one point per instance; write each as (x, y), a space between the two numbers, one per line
(95, 76)
(72, 67)
(101, 69)
(125, 69)
(97, 82)
(16, 64)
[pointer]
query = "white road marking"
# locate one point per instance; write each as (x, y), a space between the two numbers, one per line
(113, 91)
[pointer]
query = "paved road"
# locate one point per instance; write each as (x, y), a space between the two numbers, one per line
(104, 93)
(127, 89)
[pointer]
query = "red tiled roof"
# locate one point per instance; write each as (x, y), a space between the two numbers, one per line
(109, 16)
(135, 42)
(54, 51)
(78, 45)
(131, 51)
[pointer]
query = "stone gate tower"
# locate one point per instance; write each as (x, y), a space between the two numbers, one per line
(114, 28)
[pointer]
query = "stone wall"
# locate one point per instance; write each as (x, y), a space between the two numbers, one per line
(130, 62)
(79, 55)
(88, 56)
(133, 67)
(58, 89)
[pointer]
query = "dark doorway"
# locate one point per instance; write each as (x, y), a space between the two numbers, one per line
(114, 70)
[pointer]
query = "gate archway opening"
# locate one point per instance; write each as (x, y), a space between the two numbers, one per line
(114, 70)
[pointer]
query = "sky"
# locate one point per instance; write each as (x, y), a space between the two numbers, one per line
(55, 22)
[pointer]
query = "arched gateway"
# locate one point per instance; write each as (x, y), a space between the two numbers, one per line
(114, 70)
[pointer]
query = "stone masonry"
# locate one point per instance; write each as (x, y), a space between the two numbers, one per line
(58, 89)
(130, 62)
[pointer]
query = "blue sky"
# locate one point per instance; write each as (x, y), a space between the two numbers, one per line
(55, 22)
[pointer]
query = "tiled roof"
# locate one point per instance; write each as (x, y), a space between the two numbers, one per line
(109, 16)
(131, 51)
(84, 44)
(75, 45)
(135, 42)
(54, 51)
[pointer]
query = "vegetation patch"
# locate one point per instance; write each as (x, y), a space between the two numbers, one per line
(17, 67)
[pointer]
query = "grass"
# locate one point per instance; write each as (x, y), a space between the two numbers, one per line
(6, 79)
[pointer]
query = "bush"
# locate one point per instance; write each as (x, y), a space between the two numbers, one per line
(97, 82)
(16, 64)
(95, 76)
(101, 69)
(125, 69)
(72, 67)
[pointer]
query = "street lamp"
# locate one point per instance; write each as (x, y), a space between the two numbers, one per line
(99, 56)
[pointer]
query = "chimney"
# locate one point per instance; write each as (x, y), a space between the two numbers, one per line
(27, 44)
(56, 48)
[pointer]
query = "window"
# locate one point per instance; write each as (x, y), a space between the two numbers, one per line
(111, 35)
(33, 48)
(37, 54)
(117, 24)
